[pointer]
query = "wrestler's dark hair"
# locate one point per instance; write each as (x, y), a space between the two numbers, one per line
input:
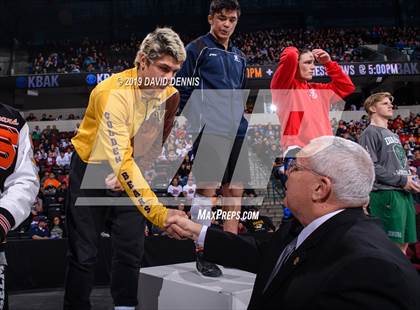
(304, 51)
(217, 6)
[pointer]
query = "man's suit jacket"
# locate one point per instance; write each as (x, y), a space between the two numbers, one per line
(346, 263)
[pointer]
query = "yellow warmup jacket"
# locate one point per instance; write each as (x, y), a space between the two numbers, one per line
(116, 111)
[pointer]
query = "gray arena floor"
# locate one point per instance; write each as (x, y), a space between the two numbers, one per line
(53, 300)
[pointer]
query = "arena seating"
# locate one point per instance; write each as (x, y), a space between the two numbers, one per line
(260, 47)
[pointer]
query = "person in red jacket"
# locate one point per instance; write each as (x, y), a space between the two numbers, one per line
(303, 112)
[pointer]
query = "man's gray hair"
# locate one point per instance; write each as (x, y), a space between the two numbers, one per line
(346, 163)
(160, 42)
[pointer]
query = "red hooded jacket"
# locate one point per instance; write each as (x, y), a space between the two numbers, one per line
(303, 108)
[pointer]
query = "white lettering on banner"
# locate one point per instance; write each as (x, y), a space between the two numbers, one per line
(373, 69)
(102, 76)
(31, 82)
(319, 71)
(348, 69)
(393, 68)
(407, 68)
(40, 81)
(362, 69)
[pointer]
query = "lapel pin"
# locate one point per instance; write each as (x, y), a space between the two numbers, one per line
(296, 261)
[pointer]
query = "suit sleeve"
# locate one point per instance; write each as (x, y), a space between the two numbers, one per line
(114, 135)
(383, 287)
(285, 73)
(188, 70)
(340, 84)
(20, 188)
(227, 249)
(371, 142)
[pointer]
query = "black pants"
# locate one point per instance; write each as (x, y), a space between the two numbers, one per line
(84, 225)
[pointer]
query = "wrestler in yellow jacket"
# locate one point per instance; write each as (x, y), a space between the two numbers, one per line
(118, 113)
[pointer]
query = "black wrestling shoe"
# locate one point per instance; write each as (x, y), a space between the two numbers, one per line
(206, 268)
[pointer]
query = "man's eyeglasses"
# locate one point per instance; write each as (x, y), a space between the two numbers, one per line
(294, 166)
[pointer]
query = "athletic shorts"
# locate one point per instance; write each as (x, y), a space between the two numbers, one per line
(396, 211)
(217, 159)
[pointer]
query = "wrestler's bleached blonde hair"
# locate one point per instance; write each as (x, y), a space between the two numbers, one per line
(160, 42)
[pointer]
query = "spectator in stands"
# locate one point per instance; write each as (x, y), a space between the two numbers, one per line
(172, 155)
(56, 229)
(61, 193)
(63, 176)
(183, 173)
(398, 123)
(36, 136)
(416, 161)
(50, 160)
(348, 136)
(279, 173)
(37, 130)
(31, 117)
(271, 152)
(189, 189)
(262, 224)
(260, 47)
(44, 177)
(40, 230)
(46, 132)
(62, 160)
(175, 189)
(36, 211)
(68, 154)
(51, 181)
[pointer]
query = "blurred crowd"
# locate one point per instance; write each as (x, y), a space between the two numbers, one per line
(264, 47)
(260, 47)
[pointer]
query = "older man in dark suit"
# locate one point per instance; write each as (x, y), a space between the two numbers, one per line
(332, 256)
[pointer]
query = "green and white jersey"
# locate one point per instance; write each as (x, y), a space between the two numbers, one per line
(388, 156)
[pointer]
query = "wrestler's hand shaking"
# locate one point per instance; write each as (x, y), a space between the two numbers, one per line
(183, 227)
(170, 226)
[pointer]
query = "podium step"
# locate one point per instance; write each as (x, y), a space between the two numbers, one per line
(180, 286)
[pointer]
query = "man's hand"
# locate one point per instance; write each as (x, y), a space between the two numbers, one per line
(175, 231)
(112, 183)
(184, 227)
(412, 186)
(321, 56)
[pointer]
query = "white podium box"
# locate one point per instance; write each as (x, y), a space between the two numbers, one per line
(180, 286)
